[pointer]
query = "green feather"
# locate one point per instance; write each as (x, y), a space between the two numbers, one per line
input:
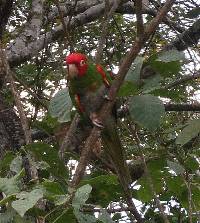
(88, 87)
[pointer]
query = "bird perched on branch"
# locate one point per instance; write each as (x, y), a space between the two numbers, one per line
(88, 85)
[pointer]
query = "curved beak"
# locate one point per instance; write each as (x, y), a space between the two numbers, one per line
(72, 71)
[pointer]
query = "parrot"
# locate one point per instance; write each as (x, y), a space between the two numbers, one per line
(88, 85)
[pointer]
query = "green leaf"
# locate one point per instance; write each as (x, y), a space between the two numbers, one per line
(144, 193)
(189, 132)
(195, 12)
(8, 216)
(49, 154)
(105, 188)
(52, 188)
(61, 105)
(105, 217)
(16, 164)
(63, 216)
(151, 83)
(176, 167)
(81, 196)
(146, 110)
(7, 199)
(196, 197)
(26, 200)
(128, 88)
(5, 162)
(84, 218)
(171, 55)
(165, 69)
(175, 185)
(61, 199)
(191, 163)
(10, 185)
(133, 74)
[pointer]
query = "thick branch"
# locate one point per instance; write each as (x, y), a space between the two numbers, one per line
(187, 39)
(21, 50)
(5, 11)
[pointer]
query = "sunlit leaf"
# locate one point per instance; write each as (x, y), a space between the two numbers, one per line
(16, 164)
(84, 218)
(81, 196)
(133, 74)
(49, 154)
(171, 55)
(176, 167)
(61, 105)
(147, 111)
(105, 217)
(189, 132)
(7, 216)
(26, 200)
(11, 185)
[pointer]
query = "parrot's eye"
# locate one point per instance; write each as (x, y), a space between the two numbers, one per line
(82, 62)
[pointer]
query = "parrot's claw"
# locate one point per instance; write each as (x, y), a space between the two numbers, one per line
(107, 97)
(95, 120)
(98, 124)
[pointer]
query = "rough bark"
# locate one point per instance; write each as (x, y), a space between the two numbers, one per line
(5, 11)
(29, 44)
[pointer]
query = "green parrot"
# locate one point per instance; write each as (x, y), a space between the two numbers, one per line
(88, 86)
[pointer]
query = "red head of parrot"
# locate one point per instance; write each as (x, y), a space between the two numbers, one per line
(77, 64)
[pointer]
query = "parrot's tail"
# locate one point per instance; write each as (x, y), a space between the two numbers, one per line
(115, 152)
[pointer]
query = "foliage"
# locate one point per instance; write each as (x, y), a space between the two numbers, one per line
(169, 141)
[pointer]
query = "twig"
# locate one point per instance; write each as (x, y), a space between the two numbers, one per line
(24, 121)
(85, 156)
(109, 210)
(29, 90)
(146, 171)
(131, 55)
(182, 80)
(65, 27)
(105, 28)
(140, 25)
(68, 136)
(188, 184)
(31, 171)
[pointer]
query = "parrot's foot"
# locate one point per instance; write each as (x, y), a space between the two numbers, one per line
(95, 120)
(107, 97)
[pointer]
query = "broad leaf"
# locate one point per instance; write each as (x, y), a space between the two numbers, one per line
(176, 167)
(5, 162)
(49, 154)
(128, 88)
(11, 185)
(151, 83)
(189, 132)
(191, 163)
(171, 55)
(16, 164)
(146, 110)
(105, 188)
(81, 196)
(52, 188)
(84, 218)
(26, 200)
(61, 199)
(105, 217)
(133, 74)
(7, 216)
(61, 105)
